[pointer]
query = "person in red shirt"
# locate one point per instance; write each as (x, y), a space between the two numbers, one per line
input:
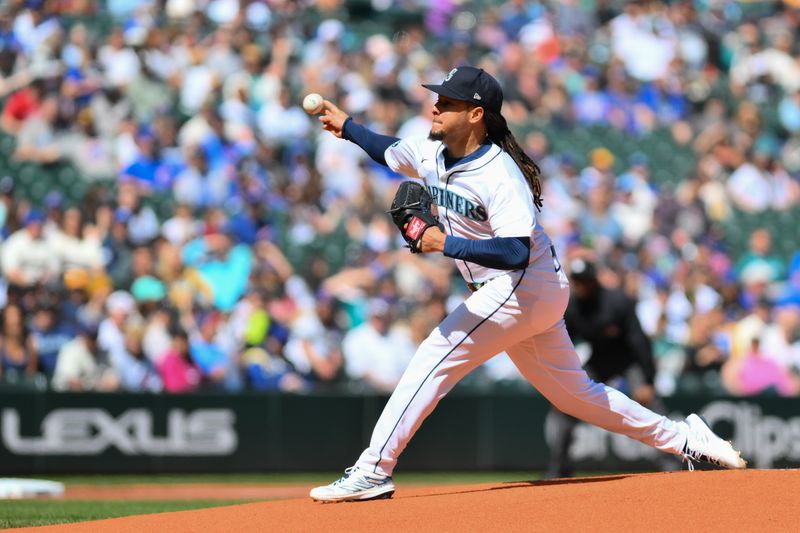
(21, 105)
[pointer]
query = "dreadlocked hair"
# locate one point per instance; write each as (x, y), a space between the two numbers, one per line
(499, 134)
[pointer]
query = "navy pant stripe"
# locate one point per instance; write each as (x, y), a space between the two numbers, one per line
(380, 453)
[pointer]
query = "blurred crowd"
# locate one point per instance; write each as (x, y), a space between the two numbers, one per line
(274, 265)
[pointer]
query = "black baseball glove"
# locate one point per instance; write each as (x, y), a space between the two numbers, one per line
(411, 213)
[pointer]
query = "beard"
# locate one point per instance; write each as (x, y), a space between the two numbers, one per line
(436, 136)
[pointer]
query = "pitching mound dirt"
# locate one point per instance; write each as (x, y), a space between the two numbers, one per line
(753, 500)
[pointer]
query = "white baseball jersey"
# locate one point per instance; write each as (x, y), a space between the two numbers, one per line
(519, 311)
(478, 199)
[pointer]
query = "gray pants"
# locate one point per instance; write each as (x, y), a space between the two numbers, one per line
(560, 429)
(530, 328)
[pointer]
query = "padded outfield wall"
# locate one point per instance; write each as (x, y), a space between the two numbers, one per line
(42, 433)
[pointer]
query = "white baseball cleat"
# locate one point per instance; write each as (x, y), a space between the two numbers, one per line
(355, 484)
(702, 444)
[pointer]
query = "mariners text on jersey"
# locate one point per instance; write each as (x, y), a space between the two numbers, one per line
(480, 197)
(457, 203)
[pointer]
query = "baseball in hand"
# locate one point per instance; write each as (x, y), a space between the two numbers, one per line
(312, 103)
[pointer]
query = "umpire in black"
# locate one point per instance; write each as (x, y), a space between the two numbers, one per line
(606, 320)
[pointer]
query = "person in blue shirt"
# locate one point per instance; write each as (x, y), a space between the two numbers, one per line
(49, 332)
(218, 367)
(223, 265)
(147, 169)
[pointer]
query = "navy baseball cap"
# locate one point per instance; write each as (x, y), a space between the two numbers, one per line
(582, 270)
(88, 328)
(33, 217)
(6, 185)
(472, 85)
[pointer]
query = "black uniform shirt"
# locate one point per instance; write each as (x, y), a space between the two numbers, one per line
(608, 322)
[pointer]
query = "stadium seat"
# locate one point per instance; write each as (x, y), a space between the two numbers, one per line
(7, 145)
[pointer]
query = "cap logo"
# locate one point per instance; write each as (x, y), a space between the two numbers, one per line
(450, 74)
(476, 96)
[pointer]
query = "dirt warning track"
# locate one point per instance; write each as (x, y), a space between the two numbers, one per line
(752, 500)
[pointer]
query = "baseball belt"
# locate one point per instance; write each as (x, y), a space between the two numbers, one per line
(475, 286)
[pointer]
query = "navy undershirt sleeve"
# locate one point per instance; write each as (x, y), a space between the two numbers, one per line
(503, 253)
(373, 143)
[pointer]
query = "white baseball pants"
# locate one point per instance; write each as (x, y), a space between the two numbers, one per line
(521, 313)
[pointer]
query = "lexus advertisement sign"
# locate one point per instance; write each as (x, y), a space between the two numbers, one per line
(43, 433)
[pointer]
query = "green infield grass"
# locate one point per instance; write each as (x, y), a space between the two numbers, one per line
(30, 513)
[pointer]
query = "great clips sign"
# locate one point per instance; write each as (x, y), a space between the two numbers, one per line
(766, 431)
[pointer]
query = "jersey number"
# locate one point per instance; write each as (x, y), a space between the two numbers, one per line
(556, 263)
